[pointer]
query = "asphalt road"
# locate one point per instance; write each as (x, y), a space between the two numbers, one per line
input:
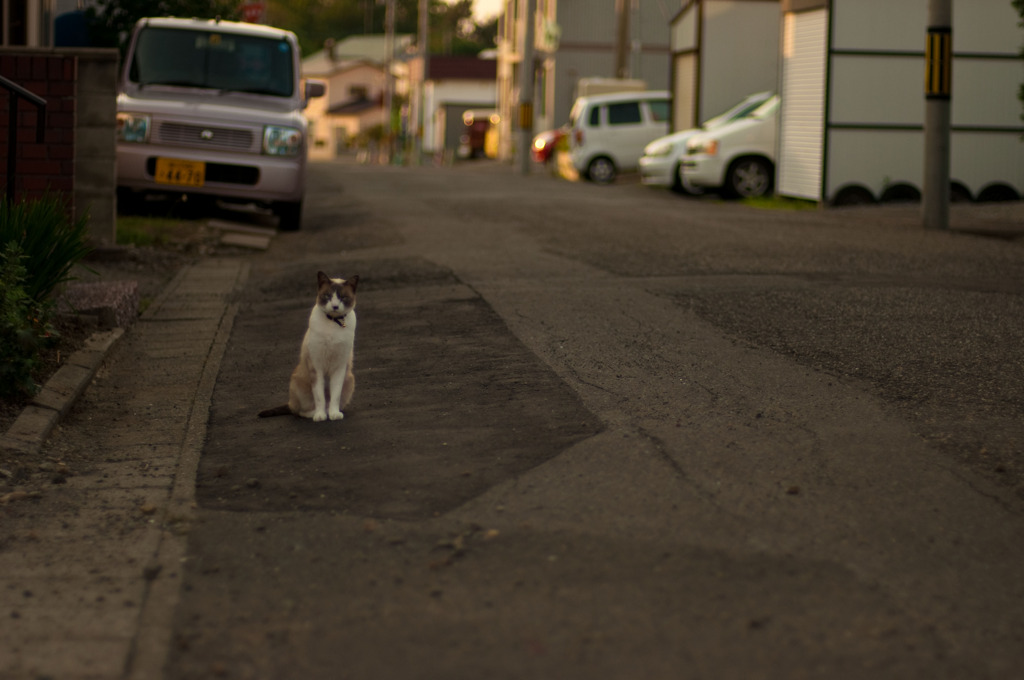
(606, 432)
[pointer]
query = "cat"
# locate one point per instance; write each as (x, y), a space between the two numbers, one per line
(321, 385)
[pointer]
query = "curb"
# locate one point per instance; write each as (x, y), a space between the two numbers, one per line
(130, 578)
(36, 422)
(33, 426)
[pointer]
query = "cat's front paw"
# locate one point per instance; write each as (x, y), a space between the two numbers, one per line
(319, 417)
(337, 415)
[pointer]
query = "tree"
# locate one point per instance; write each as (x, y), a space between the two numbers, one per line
(452, 28)
(110, 22)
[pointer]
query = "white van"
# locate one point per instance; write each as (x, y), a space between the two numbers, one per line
(214, 108)
(608, 132)
(738, 158)
(660, 165)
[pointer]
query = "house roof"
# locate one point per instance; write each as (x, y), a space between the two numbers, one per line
(355, 106)
(355, 47)
(462, 68)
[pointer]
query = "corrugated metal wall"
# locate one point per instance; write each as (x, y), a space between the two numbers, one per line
(802, 114)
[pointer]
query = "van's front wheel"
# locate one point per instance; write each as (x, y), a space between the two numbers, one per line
(601, 170)
(749, 177)
(289, 215)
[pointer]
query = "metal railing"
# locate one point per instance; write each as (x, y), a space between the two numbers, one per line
(18, 92)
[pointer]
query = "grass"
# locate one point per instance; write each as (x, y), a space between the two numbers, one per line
(147, 231)
(780, 203)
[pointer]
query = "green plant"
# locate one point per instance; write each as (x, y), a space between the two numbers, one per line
(49, 241)
(142, 231)
(780, 203)
(24, 326)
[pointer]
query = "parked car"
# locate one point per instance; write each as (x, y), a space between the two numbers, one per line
(479, 125)
(545, 144)
(214, 108)
(608, 132)
(660, 164)
(737, 158)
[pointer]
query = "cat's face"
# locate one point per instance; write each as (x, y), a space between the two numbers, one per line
(336, 297)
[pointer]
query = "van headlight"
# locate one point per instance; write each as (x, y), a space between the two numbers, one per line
(282, 141)
(132, 127)
(708, 147)
(659, 149)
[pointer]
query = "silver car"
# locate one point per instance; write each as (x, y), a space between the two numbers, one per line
(214, 108)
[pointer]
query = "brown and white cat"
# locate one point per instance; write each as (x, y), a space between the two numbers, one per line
(322, 384)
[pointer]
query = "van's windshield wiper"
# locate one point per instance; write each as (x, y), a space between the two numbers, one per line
(247, 90)
(171, 83)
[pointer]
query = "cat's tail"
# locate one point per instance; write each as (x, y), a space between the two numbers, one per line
(281, 410)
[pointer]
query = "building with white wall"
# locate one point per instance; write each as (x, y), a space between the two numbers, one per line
(852, 84)
(577, 39)
(722, 51)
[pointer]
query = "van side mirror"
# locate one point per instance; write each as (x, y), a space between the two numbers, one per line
(315, 88)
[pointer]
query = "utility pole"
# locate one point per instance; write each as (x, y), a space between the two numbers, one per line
(526, 86)
(389, 84)
(938, 92)
(622, 39)
(421, 114)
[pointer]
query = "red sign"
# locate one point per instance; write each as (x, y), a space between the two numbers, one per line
(253, 12)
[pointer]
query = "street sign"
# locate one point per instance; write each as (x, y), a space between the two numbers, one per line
(254, 12)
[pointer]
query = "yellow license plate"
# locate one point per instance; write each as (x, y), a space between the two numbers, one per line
(182, 173)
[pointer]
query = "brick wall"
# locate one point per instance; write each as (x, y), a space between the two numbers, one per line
(48, 166)
(78, 155)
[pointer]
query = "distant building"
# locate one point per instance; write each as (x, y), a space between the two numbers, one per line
(27, 23)
(453, 86)
(575, 40)
(708, 37)
(352, 112)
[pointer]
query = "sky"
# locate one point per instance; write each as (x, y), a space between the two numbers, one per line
(486, 9)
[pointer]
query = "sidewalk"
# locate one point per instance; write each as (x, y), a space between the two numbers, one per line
(89, 571)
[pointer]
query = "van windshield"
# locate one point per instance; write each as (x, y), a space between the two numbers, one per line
(226, 62)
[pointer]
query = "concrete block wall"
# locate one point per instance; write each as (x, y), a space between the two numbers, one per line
(96, 141)
(78, 153)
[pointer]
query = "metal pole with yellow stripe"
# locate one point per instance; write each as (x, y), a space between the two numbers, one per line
(938, 91)
(938, 59)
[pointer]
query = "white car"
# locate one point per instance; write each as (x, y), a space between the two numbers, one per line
(608, 132)
(660, 164)
(737, 158)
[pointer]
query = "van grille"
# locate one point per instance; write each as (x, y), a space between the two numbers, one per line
(202, 135)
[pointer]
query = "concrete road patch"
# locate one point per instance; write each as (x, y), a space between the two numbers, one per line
(448, 404)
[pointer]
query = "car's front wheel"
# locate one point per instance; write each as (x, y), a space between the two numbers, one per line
(289, 215)
(749, 178)
(681, 186)
(601, 170)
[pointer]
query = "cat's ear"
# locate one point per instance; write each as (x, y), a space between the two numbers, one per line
(322, 279)
(353, 281)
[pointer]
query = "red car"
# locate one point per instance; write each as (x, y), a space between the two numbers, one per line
(544, 144)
